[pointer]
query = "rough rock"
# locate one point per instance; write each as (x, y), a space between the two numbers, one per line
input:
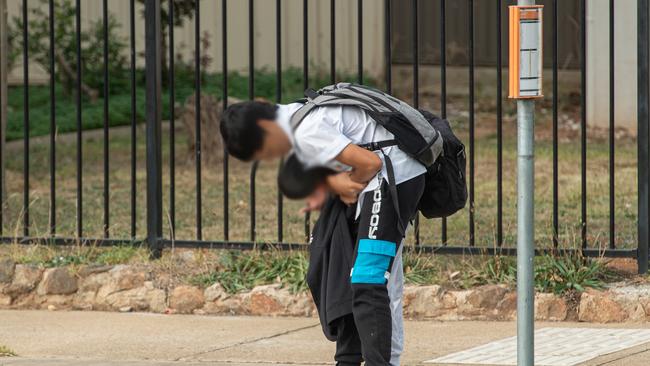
(265, 300)
(94, 282)
(5, 300)
(596, 306)
(6, 270)
(84, 300)
(25, 279)
(93, 269)
(157, 300)
(507, 307)
(184, 299)
(635, 300)
(303, 305)
(126, 277)
(122, 278)
(486, 297)
(229, 306)
(135, 298)
(57, 281)
(423, 301)
(59, 301)
(550, 307)
(215, 292)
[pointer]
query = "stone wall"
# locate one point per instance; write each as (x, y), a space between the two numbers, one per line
(134, 288)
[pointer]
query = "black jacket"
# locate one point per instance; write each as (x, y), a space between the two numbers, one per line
(330, 262)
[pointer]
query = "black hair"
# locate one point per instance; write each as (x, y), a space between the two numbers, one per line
(297, 182)
(239, 129)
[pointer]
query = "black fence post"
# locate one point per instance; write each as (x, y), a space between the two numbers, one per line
(643, 33)
(153, 120)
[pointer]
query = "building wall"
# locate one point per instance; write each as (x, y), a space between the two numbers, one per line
(373, 48)
(625, 63)
(264, 41)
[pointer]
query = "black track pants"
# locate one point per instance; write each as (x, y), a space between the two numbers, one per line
(377, 244)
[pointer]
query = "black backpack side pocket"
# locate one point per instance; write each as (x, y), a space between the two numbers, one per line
(445, 190)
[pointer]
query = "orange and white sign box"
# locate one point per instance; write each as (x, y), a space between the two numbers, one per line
(525, 72)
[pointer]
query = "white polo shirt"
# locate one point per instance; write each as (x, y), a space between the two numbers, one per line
(326, 131)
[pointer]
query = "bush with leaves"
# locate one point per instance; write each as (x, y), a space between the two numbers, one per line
(65, 45)
(568, 273)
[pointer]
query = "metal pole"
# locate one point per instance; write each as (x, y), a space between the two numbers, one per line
(525, 225)
(3, 101)
(643, 32)
(153, 121)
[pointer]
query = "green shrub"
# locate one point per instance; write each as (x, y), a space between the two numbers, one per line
(241, 271)
(570, 273)
(65, 42)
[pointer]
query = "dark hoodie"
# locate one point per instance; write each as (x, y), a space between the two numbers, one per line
(330, 262)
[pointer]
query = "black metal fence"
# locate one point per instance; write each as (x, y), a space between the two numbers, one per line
(155, 208)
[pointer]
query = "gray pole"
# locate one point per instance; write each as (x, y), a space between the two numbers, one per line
(525, 225)
(4, 71)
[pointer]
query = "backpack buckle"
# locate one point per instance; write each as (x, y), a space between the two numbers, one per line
(311, 93)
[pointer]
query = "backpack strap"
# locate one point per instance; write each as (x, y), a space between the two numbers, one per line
(392, 188)
(378, 145)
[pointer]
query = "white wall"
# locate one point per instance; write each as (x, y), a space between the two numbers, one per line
(625, 39)
(292, 35)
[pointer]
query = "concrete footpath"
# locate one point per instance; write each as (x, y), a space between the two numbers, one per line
(136, 339)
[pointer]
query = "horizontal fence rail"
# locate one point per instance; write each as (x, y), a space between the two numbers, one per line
(197, 200)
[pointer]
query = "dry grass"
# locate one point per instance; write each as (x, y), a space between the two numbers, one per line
(6, 352)
(266, 192)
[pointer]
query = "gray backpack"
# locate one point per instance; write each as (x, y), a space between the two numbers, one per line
(413, 133)
(421, 135)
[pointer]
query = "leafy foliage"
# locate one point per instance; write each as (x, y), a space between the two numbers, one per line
(240, 271)
(569, 273)
(183, 9)
(65, 44)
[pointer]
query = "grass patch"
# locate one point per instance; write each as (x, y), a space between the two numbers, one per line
(241, 271)
(59, 256)
(6, 352)
(120, 99)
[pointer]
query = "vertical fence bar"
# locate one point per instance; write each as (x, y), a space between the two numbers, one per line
(471, 121)
(416, 91)
(499, 131)
(305, 80)
(79, 123)
(106, 121)
(153, 126)
(360, 40)
(52, 124)
(278, 98)
(556, 219)
(224, 87)
(612, 203)
(443, 91)
(3, 102)
(333, 41)
(134, 105)
(252, 199)
(388, 46)
(25, 119)
(583, 121)
(197, 107)
(251, 96)
(643, 140)
(251, 50)
(172, 122)
(305, 44)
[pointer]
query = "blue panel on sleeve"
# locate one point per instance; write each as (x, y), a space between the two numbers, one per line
(372, 261)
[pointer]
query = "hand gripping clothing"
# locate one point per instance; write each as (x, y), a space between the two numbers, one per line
(356, 279)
